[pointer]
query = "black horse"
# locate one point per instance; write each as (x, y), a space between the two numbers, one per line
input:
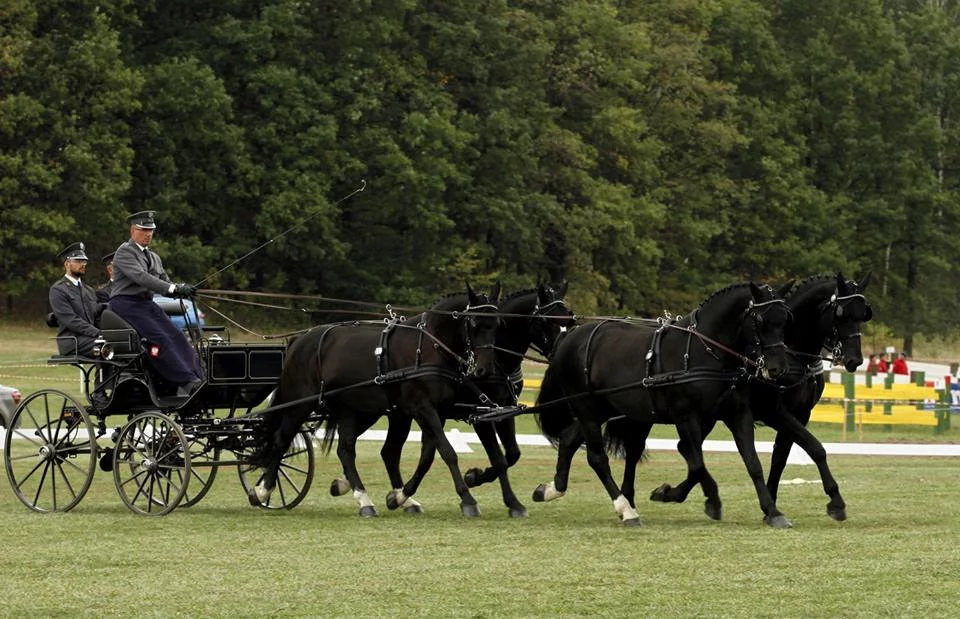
(532, 318)
(679, 373)
(827, 313)
(359, 372)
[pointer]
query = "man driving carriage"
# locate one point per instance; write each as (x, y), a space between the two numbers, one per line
(138, 274)
(74, 304)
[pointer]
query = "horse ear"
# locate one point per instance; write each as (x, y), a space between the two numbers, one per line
(470, 292)
(495, 293)
(785, 289)
(756, 291)
(541, 293)
(863, 281)
(562, 292)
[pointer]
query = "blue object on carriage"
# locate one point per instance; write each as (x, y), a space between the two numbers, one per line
(180, 315)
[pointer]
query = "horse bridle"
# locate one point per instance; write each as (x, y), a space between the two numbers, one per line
(470, 362)
(836, 310)
(752, 306)
(540, 316)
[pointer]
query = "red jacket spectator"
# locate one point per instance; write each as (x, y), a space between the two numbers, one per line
(882, 367)
(900, 365)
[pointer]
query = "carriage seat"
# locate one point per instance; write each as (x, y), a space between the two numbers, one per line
(119, 334)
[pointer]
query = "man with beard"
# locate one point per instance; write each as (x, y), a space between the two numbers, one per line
(74, 305)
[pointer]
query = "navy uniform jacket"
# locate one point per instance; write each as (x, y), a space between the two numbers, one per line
(138, 273)
(78, 313)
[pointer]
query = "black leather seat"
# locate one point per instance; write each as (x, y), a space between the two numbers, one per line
(119, 334)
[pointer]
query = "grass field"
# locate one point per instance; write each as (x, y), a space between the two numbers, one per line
(897, 555)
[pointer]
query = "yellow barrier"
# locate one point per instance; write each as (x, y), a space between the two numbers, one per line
(835, 407)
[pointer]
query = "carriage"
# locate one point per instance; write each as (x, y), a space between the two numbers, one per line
(164, 451)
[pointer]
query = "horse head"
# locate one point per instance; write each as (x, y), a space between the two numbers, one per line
(479, 321)
(762, 325)
(846, 310)
(552, 317)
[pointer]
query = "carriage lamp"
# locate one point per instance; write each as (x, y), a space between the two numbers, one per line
(215, 339)
(154, 351)
(102, 349)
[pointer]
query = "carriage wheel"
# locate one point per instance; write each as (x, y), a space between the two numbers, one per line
(50, 451)
(151, 464)
(203, 469)
(294, 477)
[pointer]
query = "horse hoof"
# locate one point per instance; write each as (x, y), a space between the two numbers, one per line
(520, 512)
(252, 497)
(713, 512)
(632, 522)
(778, 522)
(339, 487)
(368, 511)
(472, 477)
(392, 500)
(413, 509)
(539, 493)
(470, 511)
(837, 513)
(660, 494)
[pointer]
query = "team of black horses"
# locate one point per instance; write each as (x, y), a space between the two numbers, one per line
(748, 353)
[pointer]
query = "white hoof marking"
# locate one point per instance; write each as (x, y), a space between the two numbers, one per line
(550, 492)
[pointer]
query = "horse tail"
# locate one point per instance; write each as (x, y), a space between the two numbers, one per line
(552, 419)
(329, 432)
(620, 433)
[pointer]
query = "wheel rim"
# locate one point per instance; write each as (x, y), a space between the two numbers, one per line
(50, 451)
(151, 464)
(293, 479)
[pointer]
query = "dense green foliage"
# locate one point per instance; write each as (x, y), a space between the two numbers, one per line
(649, 152)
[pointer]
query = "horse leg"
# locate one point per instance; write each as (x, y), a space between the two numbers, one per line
(403, 496)
(678, 494)
(598, 461)
(778, 462)
(633, 451)
(432, 427)
(397, 433)
(272, 456)
(798, 433)
(567, 446)
(488, 437)
(507, 431)
(690, 435)
(741, 424)
(349, 430)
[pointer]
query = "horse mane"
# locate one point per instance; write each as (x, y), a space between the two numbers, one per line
(452, 301)
(518, 293)
(807, 281)
(724, 291)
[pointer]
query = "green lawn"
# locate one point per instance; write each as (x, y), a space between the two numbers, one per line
(896, 556)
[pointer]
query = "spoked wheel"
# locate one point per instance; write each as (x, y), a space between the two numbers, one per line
(151, 464)
(203, 469)
(50, 451)
(294, 477)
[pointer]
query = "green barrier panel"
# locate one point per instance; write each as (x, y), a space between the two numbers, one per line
(849, 392)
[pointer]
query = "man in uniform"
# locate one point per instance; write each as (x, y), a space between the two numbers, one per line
(137, 275)
(103, 292)
(75, 305)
